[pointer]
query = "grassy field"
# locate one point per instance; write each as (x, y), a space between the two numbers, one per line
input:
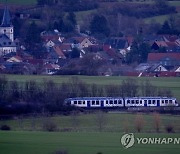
(113, 122)
(160, 19)
(171, 83)
(78, 143)
(20, 2)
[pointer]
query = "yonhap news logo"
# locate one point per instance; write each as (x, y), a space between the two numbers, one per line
(129, 140)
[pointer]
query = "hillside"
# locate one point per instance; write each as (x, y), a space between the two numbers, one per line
(19, 2)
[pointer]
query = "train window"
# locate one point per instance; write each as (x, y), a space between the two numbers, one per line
(162, 101)
(75, 102)
(83, 102)
(140, 101)
(149, 101)
(120, 102)
(132, 101)
(107, 102)
(166, 101)
(111, 101)
(154, 101)
(170, 101)
(128, 101)
(97, 102)
(137, 101)
(115, 102)
(79, 102)
(93, 102)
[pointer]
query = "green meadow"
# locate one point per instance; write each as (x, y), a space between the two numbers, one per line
(79, 143)
(19, 2)
(112, 122)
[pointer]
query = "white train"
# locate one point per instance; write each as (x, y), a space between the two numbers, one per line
(119, 102)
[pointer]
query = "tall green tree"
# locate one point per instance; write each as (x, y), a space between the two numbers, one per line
(72, 18)
(139, 52)
(33, 34)
(99, 25)
(75, 53)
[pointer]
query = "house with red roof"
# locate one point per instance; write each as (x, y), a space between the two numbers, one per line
(168, 60)
(81, 42)
(50, 69)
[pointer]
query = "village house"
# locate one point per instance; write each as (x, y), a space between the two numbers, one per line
(168, 60)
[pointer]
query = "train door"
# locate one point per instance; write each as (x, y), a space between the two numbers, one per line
(158, 102)
(88, 104)
(145, 103)
(102, 103)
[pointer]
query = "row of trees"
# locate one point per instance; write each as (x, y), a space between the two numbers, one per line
(33, 96)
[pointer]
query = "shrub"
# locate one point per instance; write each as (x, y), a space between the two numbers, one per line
(139, 123)
(5, 127)
(169, 128)
(49, 126)
(157, 122)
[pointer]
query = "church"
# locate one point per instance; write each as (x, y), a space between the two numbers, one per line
(7, 44)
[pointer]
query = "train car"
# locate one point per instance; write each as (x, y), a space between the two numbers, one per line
(96, 102)
(119, 102)
(150, 102)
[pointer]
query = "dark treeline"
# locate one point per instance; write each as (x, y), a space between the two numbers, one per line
(47, 96)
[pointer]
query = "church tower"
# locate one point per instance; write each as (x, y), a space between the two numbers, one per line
(6, 26)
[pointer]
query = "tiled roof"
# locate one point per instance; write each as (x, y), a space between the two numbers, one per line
(59, 51)
(159, 56)
(161, 43)
(6, 42)
(6, 21)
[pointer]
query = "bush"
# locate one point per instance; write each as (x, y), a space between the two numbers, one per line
(49, 126)
(5, 127)
(157, 122)
(169, 128)
(139, 123)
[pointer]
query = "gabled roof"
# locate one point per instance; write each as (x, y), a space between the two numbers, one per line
(6, 21)
(117, 43)
(161, 43)
(5, 41)
(15, 59)
(159, 56)
(79, 39)
(58, 50)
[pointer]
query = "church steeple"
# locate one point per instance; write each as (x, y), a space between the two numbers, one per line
(6, 26)
(6, 21)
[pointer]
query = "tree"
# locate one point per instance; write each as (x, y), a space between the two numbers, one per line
(17, 26)
(139, 122)
(99, 25)
(100, 120)
(75, 53)
(165, 29)
(129, 88)
(139, 52)
(157, 122)
(33, 35)
(72, 18)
